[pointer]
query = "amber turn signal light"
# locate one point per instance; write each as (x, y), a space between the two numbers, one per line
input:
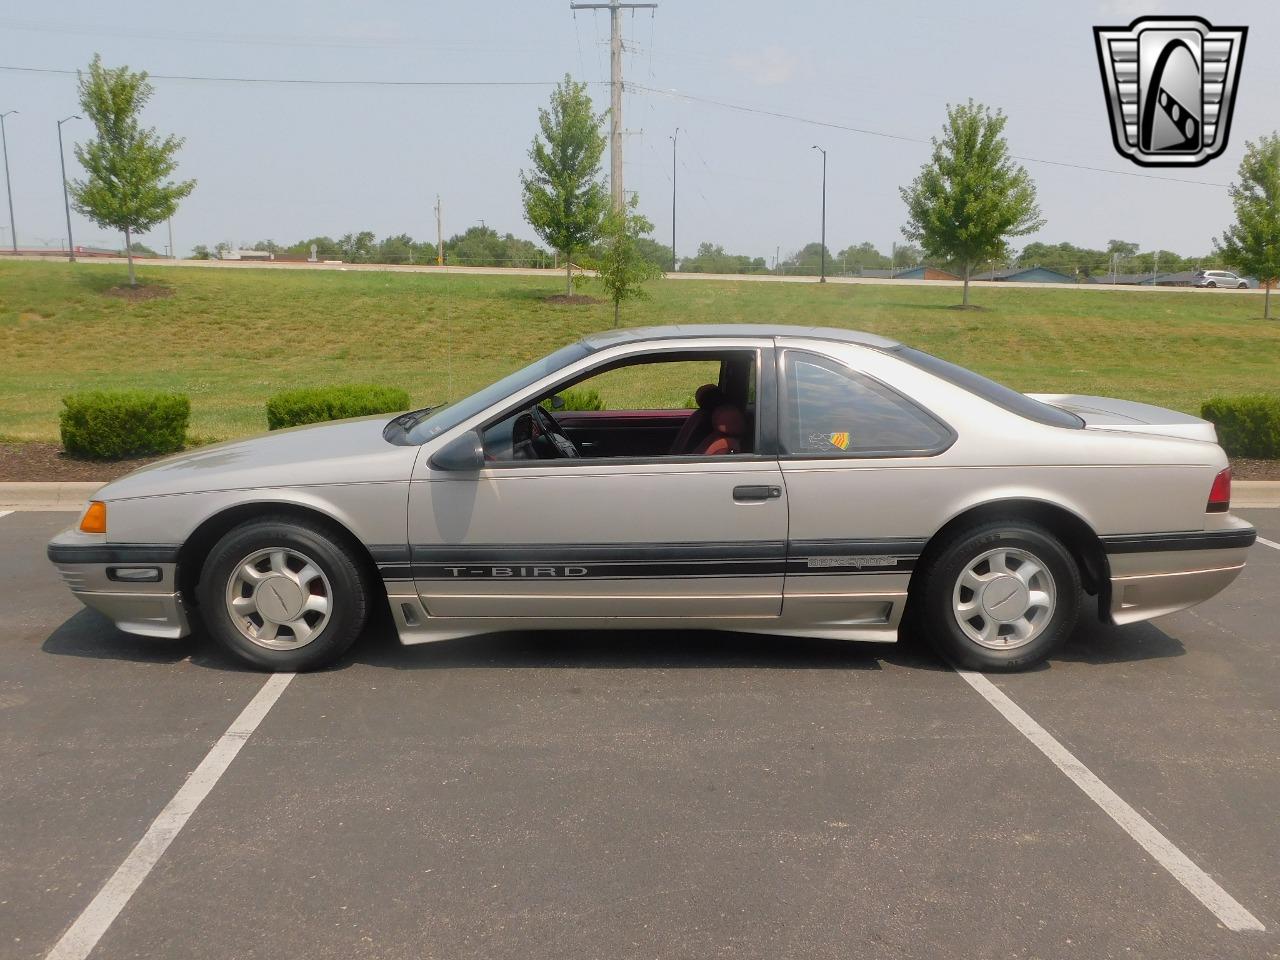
(95, 518)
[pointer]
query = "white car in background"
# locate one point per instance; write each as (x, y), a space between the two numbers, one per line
(1220, 278)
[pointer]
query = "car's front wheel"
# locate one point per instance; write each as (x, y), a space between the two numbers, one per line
(283, 594)
(1242, 285)
(1000, 596)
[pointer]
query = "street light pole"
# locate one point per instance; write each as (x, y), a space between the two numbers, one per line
(673, 199)
(13, 233)
(823, 277)
(66, 200)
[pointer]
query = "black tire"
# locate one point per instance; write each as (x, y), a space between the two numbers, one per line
(942, 575)
(343, 584)
(1242, 285)
(1212, 284)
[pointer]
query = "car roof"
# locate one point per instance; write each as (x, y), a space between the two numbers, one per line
(611, 338)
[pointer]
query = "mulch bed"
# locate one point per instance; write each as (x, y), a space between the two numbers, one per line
(576, 299)
(46, 461)
(140, 292)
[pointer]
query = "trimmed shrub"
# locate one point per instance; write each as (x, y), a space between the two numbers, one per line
(1248, 426)
(578, 400)
(112, 426)
(294, 408)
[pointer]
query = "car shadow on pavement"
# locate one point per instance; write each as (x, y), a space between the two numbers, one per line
(620, 649)
(88, 634)
(91, 635)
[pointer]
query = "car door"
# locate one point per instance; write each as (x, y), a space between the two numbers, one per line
(641, 538)
(856, 455)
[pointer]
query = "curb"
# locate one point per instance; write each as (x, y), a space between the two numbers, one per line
(62, 495)
(1245, 495)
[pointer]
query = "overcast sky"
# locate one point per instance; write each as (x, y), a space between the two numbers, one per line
(288, 161)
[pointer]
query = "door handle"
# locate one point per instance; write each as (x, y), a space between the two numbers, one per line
(754, 492)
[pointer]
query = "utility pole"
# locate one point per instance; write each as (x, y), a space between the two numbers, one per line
(615, 8)
(173, 254)
(439, 235)
(673, 199)
(13, 233)
(66, 202)
(823, 277)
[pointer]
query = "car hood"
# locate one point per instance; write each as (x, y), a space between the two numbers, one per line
(344, 451)
(1107, 413)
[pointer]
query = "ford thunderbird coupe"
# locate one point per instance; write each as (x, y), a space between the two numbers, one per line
(806, 482)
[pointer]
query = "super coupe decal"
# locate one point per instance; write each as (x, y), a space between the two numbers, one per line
(647, 560)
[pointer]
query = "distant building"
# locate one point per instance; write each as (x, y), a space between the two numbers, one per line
(1130, 279)
(245, 255)
(875, 273)
(1025, 275)
(924, 273)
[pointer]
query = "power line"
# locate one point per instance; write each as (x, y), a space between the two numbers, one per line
(831, 124)
(314, 81)
(644, 88)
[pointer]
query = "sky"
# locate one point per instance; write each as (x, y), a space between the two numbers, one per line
(287, 161)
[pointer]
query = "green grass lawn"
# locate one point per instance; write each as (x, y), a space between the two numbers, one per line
(230, 338)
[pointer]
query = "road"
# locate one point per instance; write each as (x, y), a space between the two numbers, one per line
(688, 795)
(694, 277)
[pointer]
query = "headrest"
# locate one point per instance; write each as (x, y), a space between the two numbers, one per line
(707, 395)
(728, 420)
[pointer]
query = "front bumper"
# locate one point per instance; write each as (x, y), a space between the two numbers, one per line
(1157, 574)
(95, 571)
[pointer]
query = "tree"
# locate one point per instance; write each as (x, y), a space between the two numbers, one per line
(807, 260)
(128, 186)
(712, 258)
(200, 252)
(564, 197)
(907, 255)
(863, 256)
(622, 268)
(1252, 243)
(358, 247)
(970, 198)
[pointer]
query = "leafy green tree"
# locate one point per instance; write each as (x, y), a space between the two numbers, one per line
(862, 256)
(1252, 243)
(621, 268)
(712, 258)
(128, 186)
(907, 255)
(358, 247)
(970, 198)
(659, 254)
(807, 261)
(326, 248)
(200, 252)
(267, 246)
(564, 198)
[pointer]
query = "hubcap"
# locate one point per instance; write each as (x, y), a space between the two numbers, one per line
(279, 598)
(1004, 599)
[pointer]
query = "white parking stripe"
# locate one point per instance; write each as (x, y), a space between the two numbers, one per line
(1269, 543)
(1202, 886)
(102, 911)
(5, 513)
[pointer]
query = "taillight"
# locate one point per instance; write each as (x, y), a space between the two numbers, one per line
(1220, 494)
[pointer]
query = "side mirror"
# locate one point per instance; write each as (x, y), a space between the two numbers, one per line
(463, 455)
(557, 402)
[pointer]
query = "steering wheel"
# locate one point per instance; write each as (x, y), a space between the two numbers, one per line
(546, 425)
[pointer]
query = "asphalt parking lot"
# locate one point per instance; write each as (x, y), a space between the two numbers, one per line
(639, 795)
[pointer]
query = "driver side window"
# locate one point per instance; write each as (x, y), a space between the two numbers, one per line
(671, 404)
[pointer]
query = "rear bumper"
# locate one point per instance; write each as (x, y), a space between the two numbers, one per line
(1157, 574)
(96, 573)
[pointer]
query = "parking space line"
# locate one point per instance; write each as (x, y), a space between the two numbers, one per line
(102, 911)
(5, 513)
(1262, 540)
(1203, 887)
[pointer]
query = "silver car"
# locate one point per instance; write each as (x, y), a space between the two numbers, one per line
(1220, 278)
(824, 483)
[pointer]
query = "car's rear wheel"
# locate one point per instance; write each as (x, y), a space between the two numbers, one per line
(283, 594)
(1242, 285)
(1211, 283)
(1000, 596)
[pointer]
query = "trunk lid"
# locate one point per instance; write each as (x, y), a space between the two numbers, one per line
(1107, 413)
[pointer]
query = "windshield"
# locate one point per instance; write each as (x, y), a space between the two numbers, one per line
(989, 390)
(450, 415)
